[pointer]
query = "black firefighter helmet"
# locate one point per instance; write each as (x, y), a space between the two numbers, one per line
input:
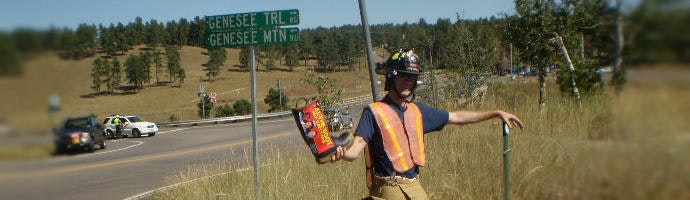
(401, 61)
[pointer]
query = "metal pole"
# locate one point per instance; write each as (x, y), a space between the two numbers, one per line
(370, 51)
(255, 141)
(512, 77)
(53, 106)
(280, 95)
(202, 92)
(372, 73)
(431, 68)
(506, 162)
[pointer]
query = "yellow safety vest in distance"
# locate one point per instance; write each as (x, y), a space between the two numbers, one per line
(403, 143)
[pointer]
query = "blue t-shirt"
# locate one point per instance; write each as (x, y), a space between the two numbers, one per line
(433, 120)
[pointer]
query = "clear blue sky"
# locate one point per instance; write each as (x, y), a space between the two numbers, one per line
(41, 14)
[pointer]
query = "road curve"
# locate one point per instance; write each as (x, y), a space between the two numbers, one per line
(131, 166)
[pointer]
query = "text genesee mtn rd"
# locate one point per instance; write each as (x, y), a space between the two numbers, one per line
(253, 37)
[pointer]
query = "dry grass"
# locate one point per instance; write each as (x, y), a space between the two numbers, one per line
(628, 147)
(24, 100)
(25, 152)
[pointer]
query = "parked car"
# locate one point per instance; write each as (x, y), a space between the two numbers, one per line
(79, 133)
(339, 119)
(531, 73)
(132, 126)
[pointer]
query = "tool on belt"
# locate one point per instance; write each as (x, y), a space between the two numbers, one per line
(313, 126)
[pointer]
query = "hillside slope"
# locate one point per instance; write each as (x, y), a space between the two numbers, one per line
(25, 99)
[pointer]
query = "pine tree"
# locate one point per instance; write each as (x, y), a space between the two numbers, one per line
(275, 100)
(115, 74)
(158, 63)
(217, 57)
(173, 57)
(96, 71)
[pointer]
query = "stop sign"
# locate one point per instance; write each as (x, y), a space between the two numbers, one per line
(213, 97)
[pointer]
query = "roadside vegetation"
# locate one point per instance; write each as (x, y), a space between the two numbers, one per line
(627, 147)
(26, 152)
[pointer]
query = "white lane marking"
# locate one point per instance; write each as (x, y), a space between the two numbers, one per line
(121, 149)
(174, 130)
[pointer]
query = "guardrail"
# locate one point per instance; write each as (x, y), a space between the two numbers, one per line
(348, 101)
(222, 119)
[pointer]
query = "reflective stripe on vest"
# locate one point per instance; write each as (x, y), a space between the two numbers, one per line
(403, 143)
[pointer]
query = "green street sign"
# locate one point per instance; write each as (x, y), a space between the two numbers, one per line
(233, 22)
(251, 37)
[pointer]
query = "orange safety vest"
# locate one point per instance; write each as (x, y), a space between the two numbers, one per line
(403, 142)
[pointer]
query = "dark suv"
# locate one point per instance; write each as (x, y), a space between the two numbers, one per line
(79, 133)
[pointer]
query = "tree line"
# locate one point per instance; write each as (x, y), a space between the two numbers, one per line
(107, 70)
(587, 29)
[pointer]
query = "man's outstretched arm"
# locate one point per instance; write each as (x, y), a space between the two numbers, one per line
(470, 117)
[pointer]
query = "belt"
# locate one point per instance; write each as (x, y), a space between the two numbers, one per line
(405, 174)
(393, 180)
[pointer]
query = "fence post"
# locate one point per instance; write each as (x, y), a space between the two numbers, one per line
(506, 162)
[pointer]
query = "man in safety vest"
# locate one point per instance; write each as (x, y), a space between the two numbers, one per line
(118, 126)
(391, 131)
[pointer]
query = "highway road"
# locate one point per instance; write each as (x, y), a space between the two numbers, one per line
(131, 166)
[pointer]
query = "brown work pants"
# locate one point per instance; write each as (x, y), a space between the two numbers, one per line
(397, 187)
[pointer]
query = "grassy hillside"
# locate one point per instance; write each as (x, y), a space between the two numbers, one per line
(25, 99)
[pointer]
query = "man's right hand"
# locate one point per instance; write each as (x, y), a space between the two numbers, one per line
(352, 153)
(339, 153)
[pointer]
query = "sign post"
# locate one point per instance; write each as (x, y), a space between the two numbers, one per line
(202, 94)
(506, 162)
(53, 106)
(54, 103)
(249, 29)
(280, 94)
